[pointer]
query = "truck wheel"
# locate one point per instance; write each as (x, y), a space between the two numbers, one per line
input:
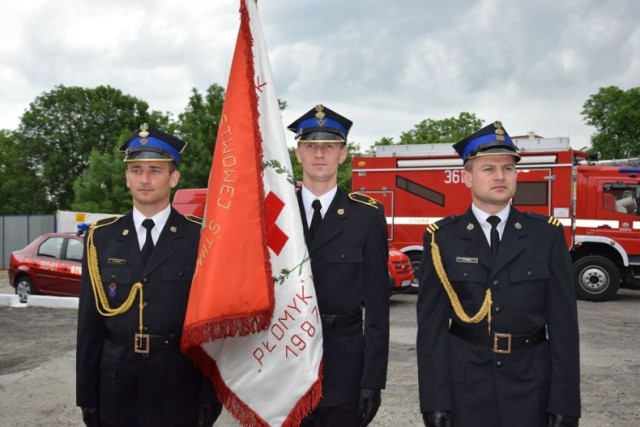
(596, 278)
(415, 258)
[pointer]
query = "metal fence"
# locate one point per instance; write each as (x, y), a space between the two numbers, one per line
(16, 231)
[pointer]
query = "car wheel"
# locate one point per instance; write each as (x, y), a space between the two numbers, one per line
(24, 288)
(596, 278)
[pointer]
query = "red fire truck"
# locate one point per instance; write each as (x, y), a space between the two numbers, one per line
(597, 204)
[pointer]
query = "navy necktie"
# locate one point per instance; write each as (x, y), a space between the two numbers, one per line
(495, 236)
(316, 219)
(147, 248)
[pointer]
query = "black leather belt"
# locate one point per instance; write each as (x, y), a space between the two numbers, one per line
(337, 321)
(498, 342)
(144, 343)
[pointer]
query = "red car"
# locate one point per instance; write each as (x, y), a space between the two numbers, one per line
(50, 265)
(400, 272)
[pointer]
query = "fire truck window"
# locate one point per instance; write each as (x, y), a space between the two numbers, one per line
(531, 194)
(51, 247)
(620, 199)
(420, 190)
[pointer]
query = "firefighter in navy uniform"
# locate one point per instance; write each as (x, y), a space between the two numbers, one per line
(346, 236)
(498, 341)
(136, 277)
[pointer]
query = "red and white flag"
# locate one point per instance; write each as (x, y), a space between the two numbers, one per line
(252, 324)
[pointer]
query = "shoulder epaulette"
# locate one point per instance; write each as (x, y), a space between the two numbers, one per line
(546, 218)
(194, 219)
(431, 228)
(364, 199)
(106, 221)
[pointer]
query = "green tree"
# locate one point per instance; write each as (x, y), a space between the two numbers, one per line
(431, 131)
(21, 189)
(198, 126)
(62, 127)
(102, 186)
(615, 113)
(384, 141)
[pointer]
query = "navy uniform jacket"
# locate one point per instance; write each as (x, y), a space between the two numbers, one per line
(531, 285)
(349, 264)
(163, 389)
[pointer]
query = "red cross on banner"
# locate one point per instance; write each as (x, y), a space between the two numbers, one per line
(276, 238)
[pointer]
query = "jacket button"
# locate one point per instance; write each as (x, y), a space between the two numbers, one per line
(180, 274)
(465, 274)
(529, 273)
(499, 364)
(495, 282)
(498, 308)
(343, 256)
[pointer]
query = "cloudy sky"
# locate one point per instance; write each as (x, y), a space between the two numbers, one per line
(385, 64)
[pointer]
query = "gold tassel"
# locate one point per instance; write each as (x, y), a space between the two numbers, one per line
(485, 309)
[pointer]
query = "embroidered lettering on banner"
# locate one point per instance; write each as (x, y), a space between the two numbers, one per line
(289, 330)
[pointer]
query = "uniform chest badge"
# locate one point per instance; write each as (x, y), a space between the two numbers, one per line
(112, 289)
(467, 260)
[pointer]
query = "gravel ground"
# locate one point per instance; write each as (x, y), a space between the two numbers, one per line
(37, 360)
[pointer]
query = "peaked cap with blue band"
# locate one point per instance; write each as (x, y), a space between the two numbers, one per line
(151, 144)
(490, 140)
(321, 125)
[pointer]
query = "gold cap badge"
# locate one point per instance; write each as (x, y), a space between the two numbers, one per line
(144, 133)
(320, 114)
(499, 131)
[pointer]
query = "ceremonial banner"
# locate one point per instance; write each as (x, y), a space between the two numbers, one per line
(252, 324)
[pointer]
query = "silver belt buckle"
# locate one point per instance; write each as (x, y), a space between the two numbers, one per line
(141, 343)
(496, 340)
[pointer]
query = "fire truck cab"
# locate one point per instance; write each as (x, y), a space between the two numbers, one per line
(598, 205)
